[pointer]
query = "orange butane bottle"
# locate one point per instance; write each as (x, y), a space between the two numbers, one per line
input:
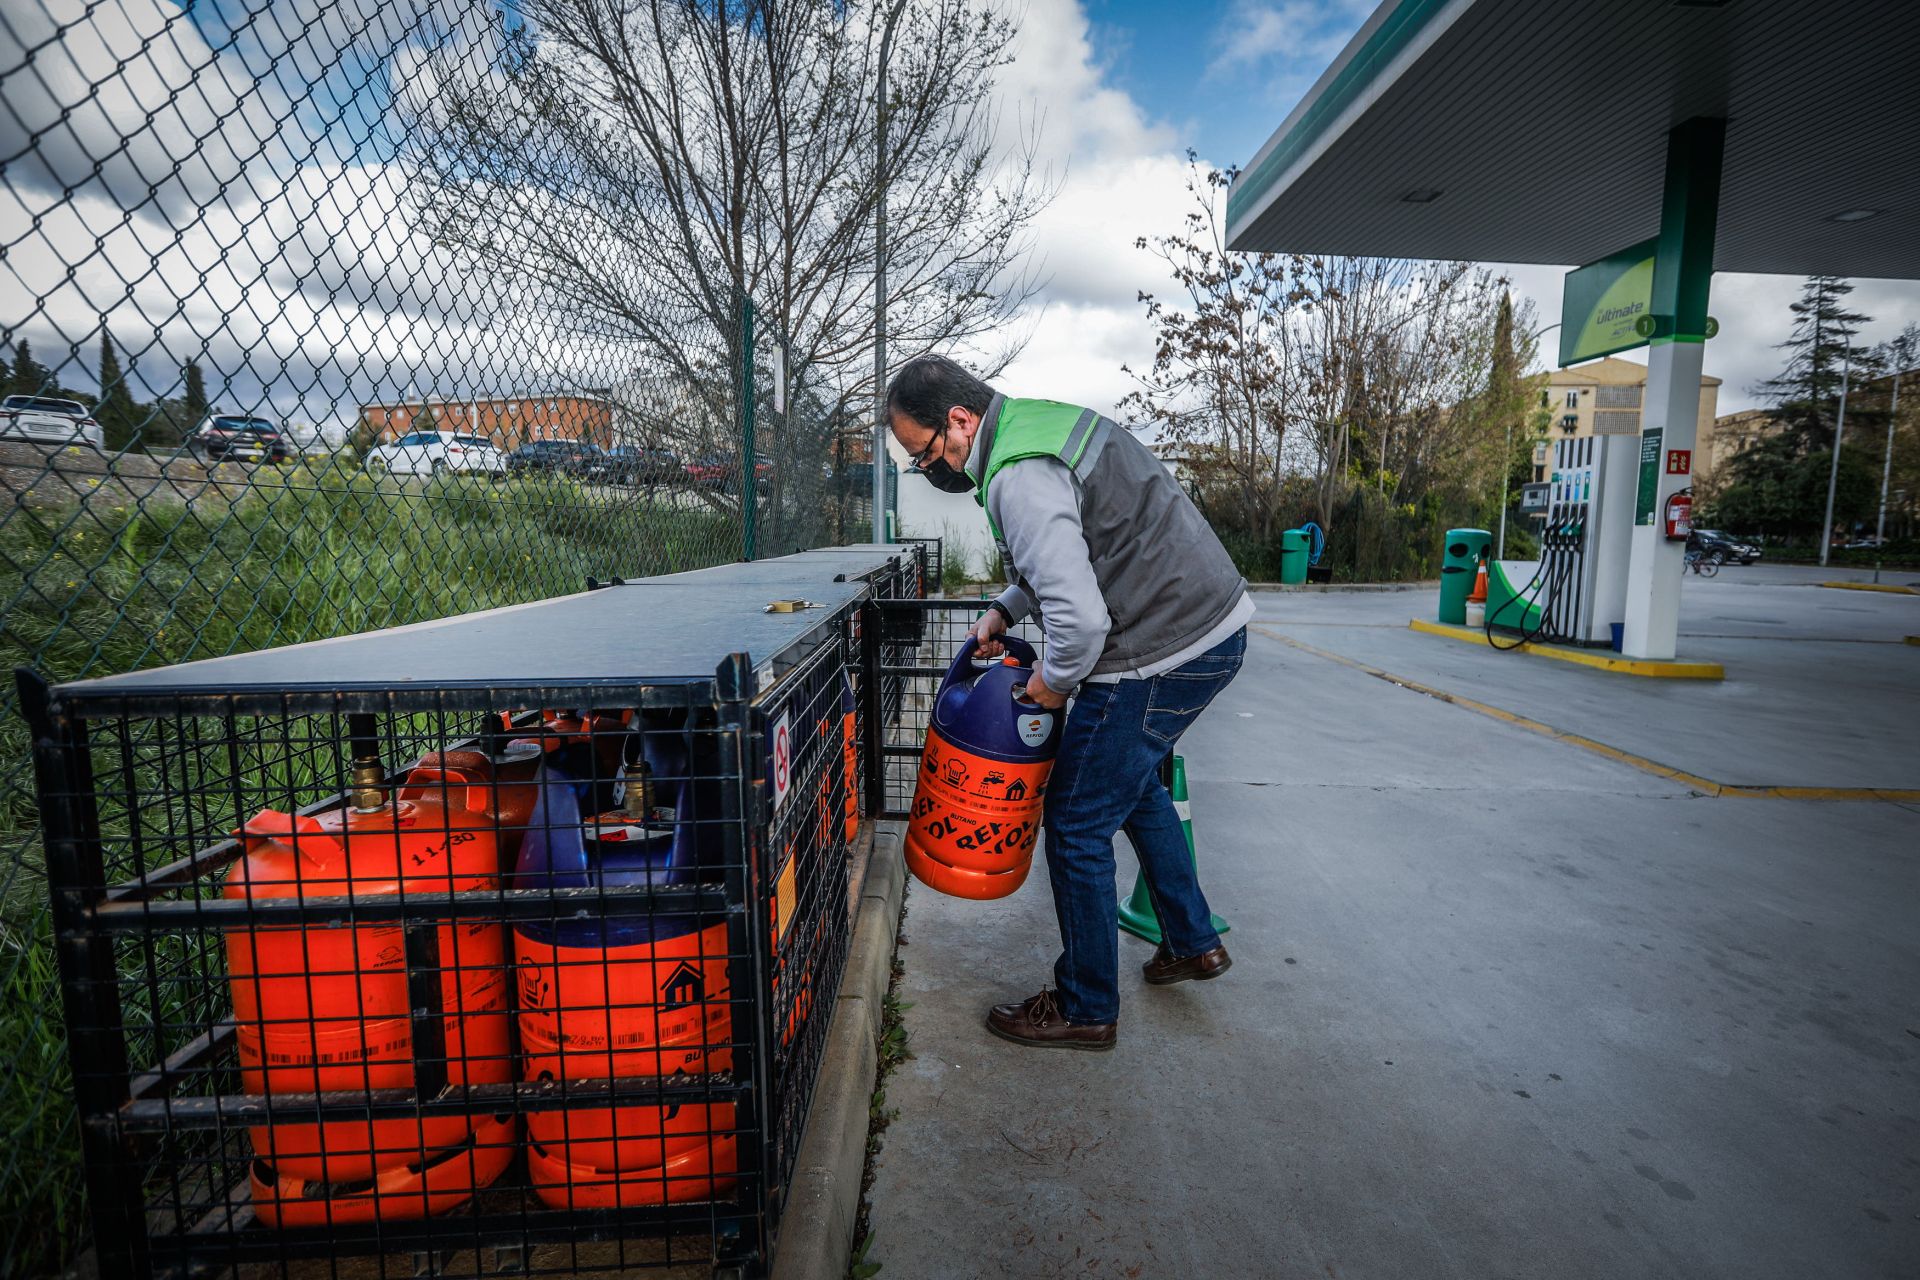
(983, 776)
(322, 1008)
(623, 992)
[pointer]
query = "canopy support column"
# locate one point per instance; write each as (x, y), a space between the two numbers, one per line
(1682, 276)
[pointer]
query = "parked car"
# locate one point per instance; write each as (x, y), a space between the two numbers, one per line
(573, 457)
(49, 420)
(625, 464)
(1712, 542)
(722, 471)
(1866, 542)
(237, 437)
(428, 453)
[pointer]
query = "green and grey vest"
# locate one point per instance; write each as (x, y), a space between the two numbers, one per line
(1165, 577)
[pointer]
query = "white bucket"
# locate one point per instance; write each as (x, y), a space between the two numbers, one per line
(1476, 613)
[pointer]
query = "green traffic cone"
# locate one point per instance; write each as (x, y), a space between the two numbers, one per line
(1136, 913)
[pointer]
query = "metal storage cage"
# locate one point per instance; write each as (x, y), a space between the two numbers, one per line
(501, 943)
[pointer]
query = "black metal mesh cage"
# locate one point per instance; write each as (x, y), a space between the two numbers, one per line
(466, 974)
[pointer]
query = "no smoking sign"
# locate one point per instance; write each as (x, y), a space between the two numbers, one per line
(782, 760)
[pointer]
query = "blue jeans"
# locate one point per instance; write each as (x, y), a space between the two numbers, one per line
(1107, 779)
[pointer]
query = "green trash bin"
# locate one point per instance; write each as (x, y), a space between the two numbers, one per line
(1294, 544)
(1459, 566)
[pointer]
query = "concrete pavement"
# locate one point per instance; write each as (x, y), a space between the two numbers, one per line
(1500, 1006)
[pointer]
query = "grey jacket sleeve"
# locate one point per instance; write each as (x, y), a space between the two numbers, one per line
(1036, 503)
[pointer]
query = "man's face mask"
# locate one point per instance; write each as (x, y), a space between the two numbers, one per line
(938, 472)
(947, 479)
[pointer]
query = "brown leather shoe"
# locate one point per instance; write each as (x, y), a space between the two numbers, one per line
(1165, 969)
(1040, 1024)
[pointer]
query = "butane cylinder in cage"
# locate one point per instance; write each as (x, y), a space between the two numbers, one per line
(620, 992)
(591, 746)
(512, 773)
(850, 758)
(325, 1009)
(983, 773)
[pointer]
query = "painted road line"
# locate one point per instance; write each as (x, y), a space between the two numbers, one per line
(1705, 786)
(1655, 668)
(1887, 588)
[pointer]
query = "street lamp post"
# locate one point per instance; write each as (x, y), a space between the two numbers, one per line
(1833, 473)
(1506, 469)
(880, 458)
(1886, 474)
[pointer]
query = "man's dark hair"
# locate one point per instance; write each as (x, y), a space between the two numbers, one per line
(927, 386)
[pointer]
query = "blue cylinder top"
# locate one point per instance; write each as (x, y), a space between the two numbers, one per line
(564, 849)
(984, 710)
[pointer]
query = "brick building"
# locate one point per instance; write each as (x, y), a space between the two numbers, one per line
(507, 421)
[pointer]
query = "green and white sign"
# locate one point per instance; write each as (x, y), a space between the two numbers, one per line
(1649, 492)
(1607, 306)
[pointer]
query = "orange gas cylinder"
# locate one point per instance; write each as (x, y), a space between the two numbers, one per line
(983, 774)
(621, 994)
(512, 788)
(321, 1008)
(592, 746)
(850, 758)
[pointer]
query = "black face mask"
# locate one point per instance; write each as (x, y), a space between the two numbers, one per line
(946, 478)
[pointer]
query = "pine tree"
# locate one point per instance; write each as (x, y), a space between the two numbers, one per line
(1807, 391)
(114, 411)
(29, 377)
(195, 399)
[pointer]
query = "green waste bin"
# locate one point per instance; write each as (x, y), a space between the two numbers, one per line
(1294, 544)
(1459, 566)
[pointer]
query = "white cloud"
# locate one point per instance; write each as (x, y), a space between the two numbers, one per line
(1296, 31)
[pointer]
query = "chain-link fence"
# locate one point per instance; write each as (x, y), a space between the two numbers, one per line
(270, 377)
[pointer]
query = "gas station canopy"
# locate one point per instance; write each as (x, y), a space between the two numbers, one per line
(1517, 131)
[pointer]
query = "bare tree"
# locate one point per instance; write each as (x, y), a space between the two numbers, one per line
(1396, 376)
(643, 165)
(1222, 376)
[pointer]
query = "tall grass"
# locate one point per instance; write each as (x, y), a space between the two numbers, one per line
(101, 587)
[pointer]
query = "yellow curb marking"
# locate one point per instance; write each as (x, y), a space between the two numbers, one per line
(1670, 670)
(1886, 587)
(1705, 786)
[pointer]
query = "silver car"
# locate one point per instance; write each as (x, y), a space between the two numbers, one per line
(49, 420)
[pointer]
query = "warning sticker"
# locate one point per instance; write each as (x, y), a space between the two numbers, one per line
(784, 901)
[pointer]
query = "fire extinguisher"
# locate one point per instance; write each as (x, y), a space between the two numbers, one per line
(1680, 516)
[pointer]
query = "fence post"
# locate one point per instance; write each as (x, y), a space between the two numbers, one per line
(749, 943)
(749, 461)
(89, 981)
(873, 732)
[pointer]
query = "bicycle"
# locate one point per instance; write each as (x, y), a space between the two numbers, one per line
(1704, 565)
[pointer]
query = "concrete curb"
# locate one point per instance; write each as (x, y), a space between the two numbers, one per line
(816, 1228)
(1655, 668)
(1342, 588)
(1886, 588)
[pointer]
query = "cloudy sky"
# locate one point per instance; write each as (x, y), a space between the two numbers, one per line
(1128, 86)
(271, 246)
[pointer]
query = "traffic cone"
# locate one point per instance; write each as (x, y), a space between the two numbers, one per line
(1479, 593)
(1136, 913)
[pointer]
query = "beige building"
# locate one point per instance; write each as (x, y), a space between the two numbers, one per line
(1723, 438)
(1603, 397)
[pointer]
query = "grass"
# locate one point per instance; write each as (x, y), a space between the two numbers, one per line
(101, 587)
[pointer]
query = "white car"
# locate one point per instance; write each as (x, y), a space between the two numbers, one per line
(46, 419)
(428, 453)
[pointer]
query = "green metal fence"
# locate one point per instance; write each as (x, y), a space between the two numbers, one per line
(270, 379)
